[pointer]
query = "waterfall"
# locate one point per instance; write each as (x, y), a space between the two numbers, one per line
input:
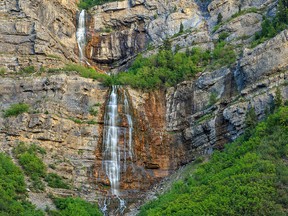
(130, 124)
(117, 143)
(111, 154)
(81, 34)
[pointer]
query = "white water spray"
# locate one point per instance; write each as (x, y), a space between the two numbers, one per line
(115, 152)
(130, 124)
(111, 160)
(81, 34)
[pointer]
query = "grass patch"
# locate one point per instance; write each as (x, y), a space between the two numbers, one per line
(16, 109)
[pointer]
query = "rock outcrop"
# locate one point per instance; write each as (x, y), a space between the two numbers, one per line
(120, 30)
(37, 33)
(58, 121)
(211, 111)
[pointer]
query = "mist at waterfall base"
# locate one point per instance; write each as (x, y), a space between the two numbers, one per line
(111, 146)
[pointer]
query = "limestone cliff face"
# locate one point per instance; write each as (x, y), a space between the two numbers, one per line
(120, 30)
(171, 127)
(59, 121)
(37, 33)
(199, 125)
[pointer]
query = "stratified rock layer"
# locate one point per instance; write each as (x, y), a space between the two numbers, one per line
(37, 33)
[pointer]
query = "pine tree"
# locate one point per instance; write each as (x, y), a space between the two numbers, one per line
(181, 28)
(219, 18)
(278, 98)
(282, 11)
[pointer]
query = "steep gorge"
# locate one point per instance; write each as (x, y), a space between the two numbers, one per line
(170, 128)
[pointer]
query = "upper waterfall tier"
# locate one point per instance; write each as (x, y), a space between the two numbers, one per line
(81, 34)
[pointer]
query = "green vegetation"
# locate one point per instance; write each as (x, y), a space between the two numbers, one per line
(27, 70)
(219, 18)
(239, 13)
(212, 99)
(13, 191)
(242, 12)
(74, 207)
(164, 69)
(55, 181)
(32, 165)
(250, 177)
(75, 120)
(272, 27)
(16, 109)
(167, 68)
(278, 98)
(85, 72)
(86, 4)
(3, 71)
(93, 110)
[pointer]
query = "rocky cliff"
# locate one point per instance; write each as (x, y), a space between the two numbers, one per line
(172, 126)
(37, 33)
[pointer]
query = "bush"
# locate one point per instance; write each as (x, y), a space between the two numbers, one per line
(13, 190)
(16, 109)
(75, 207)
(86, 4)
(27, 70)
(89, 73)
(55, 181)
(32, 165)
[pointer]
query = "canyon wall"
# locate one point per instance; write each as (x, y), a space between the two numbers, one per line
(171, 127)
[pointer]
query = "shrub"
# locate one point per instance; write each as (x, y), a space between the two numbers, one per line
(13, 190)
(32, 165)
(86, 4)
(89, 73)
(27, 70)
(219, 18)
(2, 71)
(212, 98)
(55, 181)
(75, 207)
(16, 109)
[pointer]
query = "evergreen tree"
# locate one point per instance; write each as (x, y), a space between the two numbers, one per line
(219, 18)
(282, 11)
(251, 118)
(167, 44)
(181, 28)
(278, 98)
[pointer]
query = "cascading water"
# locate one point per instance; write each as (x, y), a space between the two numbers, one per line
(115, 151)
(111, 154)
(81, 34)
(130, 124)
